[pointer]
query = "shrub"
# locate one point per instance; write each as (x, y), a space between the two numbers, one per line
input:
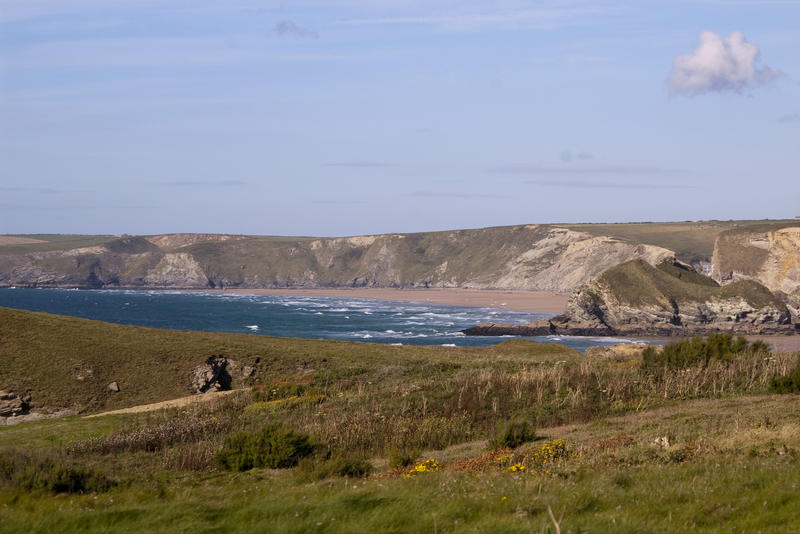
(192, 425)
(687, 352)
(511, 434)
(274, 446)
(789, 383)
(51, 475)
(428, 466)
(320, 467)
(402, 456)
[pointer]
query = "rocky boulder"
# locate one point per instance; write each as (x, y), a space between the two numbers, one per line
(213, 375)
(14, 404)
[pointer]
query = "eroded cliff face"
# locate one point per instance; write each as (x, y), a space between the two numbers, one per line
(517, 257)
(769, 255)
(177, 269)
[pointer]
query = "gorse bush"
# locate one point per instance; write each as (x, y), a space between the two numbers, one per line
(274, 446)
(511, 434)
(688, 352)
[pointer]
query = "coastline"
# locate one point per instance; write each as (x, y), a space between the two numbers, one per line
(511, 299)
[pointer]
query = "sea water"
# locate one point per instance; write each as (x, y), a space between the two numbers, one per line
(351, 319)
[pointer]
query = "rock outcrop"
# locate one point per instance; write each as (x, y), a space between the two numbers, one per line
(637, 299)
(14, 404)
(219, 373)
(769, 254)
(213, 375)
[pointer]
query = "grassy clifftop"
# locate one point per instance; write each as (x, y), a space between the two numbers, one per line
(639, 284)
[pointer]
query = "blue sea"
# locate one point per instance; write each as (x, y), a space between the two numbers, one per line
(351, 319)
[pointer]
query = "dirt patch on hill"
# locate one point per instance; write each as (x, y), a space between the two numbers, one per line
(174, 403)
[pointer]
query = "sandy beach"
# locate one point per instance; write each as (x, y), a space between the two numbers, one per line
(517, 300)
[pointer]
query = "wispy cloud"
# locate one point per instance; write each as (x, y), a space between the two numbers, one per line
(443, 194)
(25, 189)
(568, 156)
(719, 64)
(544, 18)
(360, 164)
(136, 52)
(789, 118)
(72, 207)
(591, 184)
(289, 28)
(204, 183)
(577, 168)
(339, 202)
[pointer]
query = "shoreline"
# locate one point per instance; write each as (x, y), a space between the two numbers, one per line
(511, 299)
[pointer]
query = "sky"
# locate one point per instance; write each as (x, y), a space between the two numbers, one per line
(349, 117)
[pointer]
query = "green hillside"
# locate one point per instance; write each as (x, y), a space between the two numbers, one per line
(69, 362)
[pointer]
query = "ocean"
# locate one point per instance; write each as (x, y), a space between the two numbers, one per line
(351, 319)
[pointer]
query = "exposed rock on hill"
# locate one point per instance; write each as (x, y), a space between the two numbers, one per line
(636, 298)
(515, 257)
(767, 253)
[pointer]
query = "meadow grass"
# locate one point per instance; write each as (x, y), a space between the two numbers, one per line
(726, 470)
(617, 445)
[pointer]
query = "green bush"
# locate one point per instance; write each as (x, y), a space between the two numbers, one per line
(320, 467)
(51, 475)
(274, 446)
(511, 435)
(698, 350)
(402, 456)
(789, 383)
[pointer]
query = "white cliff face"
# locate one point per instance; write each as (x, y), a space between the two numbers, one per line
(177, 270)
(772, 258)
(585, 260)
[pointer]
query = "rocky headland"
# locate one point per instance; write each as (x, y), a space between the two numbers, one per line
(669, 299)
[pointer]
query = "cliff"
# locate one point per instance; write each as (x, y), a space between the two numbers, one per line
(769, 253)
(636, 298)
(545, 257)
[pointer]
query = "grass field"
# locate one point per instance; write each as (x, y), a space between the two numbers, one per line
(616, 447)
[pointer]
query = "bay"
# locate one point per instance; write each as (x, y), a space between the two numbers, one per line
(351, 319)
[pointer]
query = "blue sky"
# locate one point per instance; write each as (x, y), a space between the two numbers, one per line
(346, 117)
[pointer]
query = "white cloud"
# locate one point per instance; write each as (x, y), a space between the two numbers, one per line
(719, 64)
